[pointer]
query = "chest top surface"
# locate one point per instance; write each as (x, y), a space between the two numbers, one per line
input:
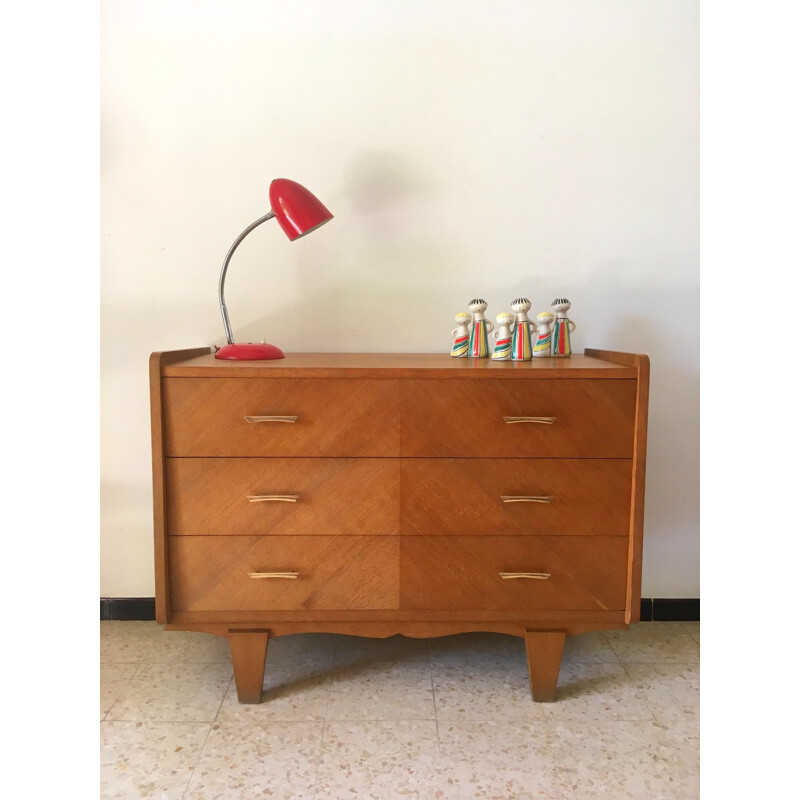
(396, 365)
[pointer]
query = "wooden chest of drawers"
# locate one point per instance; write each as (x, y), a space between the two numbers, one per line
(414, 494)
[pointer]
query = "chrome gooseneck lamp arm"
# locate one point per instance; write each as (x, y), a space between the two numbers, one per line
(239, 238)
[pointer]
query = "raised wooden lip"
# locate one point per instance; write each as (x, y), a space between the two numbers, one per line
(393, 365)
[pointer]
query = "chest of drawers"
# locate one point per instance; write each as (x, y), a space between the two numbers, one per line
(415, 494)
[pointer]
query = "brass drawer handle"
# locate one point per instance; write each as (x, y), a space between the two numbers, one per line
(271, 419)
(290, 575)
(536, 576)
(280, 498)
(542, 420)
(525, 499)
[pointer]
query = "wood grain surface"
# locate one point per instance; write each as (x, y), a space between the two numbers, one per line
(396, 466)
(641, 363)
(396, 496)
(410, 418)
(336, 572)
(594, 418)
(378, 366)
(462, 572)
(207, 417)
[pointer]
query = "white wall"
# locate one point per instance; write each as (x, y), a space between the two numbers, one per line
(493, 148)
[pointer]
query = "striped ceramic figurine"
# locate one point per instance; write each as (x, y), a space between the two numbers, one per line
(461, 333)
(481, 328)
(562, 328)
(544, 330)
(502, 349)
(521, 344)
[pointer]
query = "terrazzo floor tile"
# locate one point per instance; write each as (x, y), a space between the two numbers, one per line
(589, 691)
(126, 641)
(182, 692)
(467, 647)
(501, 760)
(380, 737)
(382, 690)
(189, 646)
(148, 759)
(381, 760)
(354, 650)
(284, 650)
(655, 643)
(588, 648)
(671, 691)
(620, 759)
(483, 690)
(113, 678)
(298, 691)
(694, 630)
(241, 761)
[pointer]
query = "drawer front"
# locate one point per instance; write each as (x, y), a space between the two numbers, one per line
(564, 418)
(464, 573)
(492, 496)
(213, 573)
(308, 496)
(390, 496)
(332, 416)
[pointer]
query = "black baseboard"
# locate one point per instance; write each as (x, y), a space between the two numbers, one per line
(128, 608)
(654, 609)
(676, 609)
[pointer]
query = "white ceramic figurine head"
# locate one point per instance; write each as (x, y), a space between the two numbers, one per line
(560, 306)
(521, 305)
(462, 324)
(504, 318)
(544, 321)
(477, 306)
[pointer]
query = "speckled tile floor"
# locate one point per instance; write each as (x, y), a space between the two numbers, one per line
(343, 717)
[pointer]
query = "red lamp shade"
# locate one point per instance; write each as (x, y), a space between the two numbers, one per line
(297, 210)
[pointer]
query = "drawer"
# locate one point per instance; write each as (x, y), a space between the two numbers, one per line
(464, 573)
(516, 496)
(213, 573)
(390, 496)
(306, 496)
(332, 416)
(564, 418)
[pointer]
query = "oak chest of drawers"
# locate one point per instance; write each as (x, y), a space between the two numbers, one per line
(381, 494)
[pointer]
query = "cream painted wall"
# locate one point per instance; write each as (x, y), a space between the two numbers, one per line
(490, 148)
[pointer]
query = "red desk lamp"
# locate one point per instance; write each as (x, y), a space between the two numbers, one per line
(298, 212)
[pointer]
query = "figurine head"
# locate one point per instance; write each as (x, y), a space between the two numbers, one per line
(560, 305)
(545, 318)
(462, 318)
(521, 304)
(504, 318)
(477, 305)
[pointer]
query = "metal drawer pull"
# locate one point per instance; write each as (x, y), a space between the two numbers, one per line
(265, 498)
(512, 499)
(542, 420)
(290, 575)
(271, 419)
(536, 576)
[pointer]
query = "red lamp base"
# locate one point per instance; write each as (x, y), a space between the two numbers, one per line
(249, 352)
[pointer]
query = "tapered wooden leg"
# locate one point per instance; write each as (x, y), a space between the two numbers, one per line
(544, 650)
(249, 654)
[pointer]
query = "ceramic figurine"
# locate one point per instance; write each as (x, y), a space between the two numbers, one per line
(562, 328)
(481, 328)
(502, 350)
(544, 329)
(521, 345)
(461, 332)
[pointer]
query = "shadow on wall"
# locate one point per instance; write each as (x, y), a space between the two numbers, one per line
(672, 502)
(383, 193)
